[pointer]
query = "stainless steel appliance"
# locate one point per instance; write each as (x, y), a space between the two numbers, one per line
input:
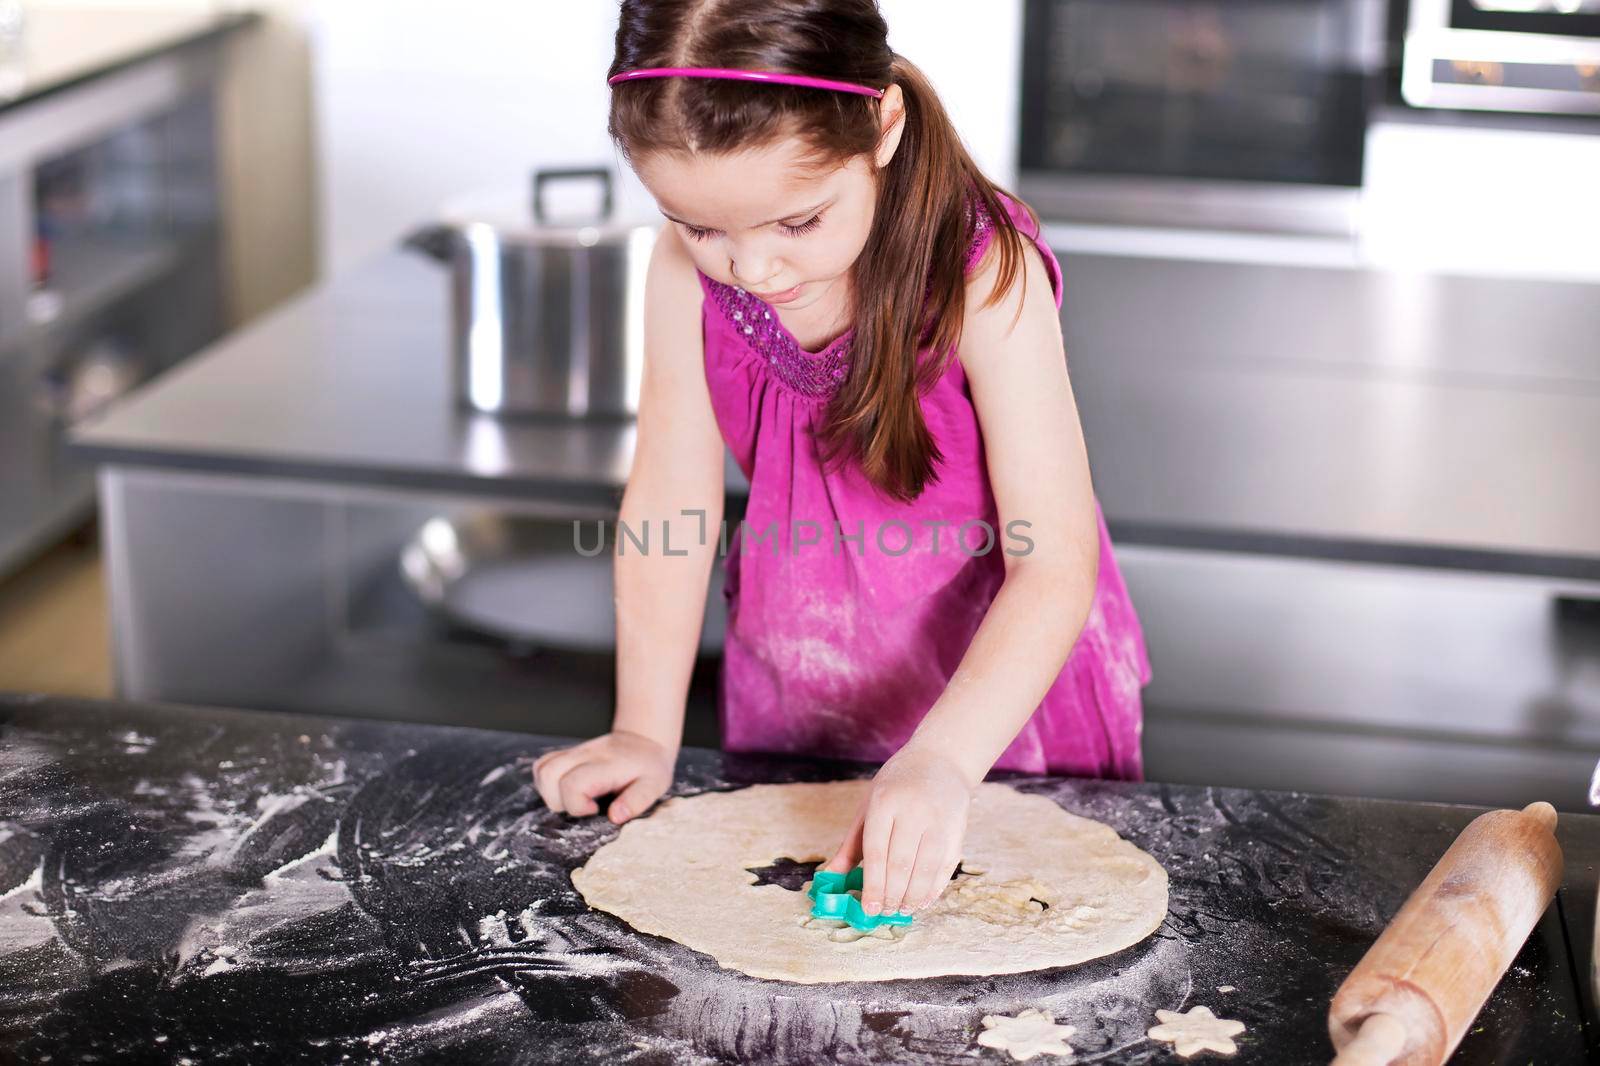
(546, 315)
(1229, 113)
(1503, 55)
(111, 236)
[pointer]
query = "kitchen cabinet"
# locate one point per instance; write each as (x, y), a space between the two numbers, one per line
(1359, 514)
(110, 235)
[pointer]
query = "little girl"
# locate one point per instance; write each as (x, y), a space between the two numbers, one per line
(923, 575)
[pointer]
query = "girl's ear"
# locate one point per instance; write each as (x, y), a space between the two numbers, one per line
(893, 109)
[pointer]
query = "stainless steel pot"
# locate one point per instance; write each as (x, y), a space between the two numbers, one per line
(547, 318)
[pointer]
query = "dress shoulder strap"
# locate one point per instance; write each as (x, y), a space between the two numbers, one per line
(983, 236)
(982, 233)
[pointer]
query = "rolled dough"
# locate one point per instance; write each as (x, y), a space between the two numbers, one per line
(1042, 887)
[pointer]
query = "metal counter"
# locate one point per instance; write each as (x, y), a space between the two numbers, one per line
(1359, 513)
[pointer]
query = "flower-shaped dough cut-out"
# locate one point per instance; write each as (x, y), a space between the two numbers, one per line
(1033, 1032)
(1198, 1030)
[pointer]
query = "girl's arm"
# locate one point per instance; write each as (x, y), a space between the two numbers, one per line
(660, 597)
(1016, 366)
(677, 467)
(909, 832)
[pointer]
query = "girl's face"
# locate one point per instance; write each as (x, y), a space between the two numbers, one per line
(757, 220)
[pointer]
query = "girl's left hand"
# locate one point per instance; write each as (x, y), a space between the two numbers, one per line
(907, 835)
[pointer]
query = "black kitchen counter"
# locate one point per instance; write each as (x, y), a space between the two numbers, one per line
(225, 886)
(1315, 411)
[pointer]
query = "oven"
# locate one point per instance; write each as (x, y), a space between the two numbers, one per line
(1503, 55)
(1229, 113)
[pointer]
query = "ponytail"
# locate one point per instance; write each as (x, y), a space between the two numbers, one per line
(910, 282)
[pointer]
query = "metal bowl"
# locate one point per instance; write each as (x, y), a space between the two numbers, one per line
(522, 580)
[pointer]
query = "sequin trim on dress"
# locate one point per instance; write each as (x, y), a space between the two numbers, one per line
(815, 376)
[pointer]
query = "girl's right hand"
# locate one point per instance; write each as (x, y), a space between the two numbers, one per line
(640, 769)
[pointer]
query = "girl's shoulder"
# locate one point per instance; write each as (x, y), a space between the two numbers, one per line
(672, 319)
(983, 259)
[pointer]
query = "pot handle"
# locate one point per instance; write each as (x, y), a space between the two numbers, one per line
(434, 241)
(548, 174)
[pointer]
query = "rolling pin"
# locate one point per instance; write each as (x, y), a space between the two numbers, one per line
(1412, 996)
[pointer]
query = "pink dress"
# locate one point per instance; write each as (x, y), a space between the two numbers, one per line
(848, 612)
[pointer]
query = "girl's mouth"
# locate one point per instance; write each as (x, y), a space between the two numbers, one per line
(780, 297)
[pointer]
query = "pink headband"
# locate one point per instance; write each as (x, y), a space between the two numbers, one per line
(746, 75)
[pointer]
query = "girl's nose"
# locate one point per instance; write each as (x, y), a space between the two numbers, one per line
(752, 270)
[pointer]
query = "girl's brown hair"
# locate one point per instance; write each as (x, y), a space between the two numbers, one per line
(910, 289)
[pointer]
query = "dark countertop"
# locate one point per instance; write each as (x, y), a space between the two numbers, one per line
(1310, 410)
(229, 886)
(66, 46)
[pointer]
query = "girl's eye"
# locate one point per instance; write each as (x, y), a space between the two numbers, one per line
(794, 231)
(805, 227)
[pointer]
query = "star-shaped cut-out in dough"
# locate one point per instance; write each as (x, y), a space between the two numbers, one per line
(1198, 1030)
(1033, 1032)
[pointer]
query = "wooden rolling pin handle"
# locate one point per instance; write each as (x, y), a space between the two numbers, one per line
(1543, 815)
(1378, 1042)
(1410, 999)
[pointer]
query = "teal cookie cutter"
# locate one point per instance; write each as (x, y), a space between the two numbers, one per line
(831, 898)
